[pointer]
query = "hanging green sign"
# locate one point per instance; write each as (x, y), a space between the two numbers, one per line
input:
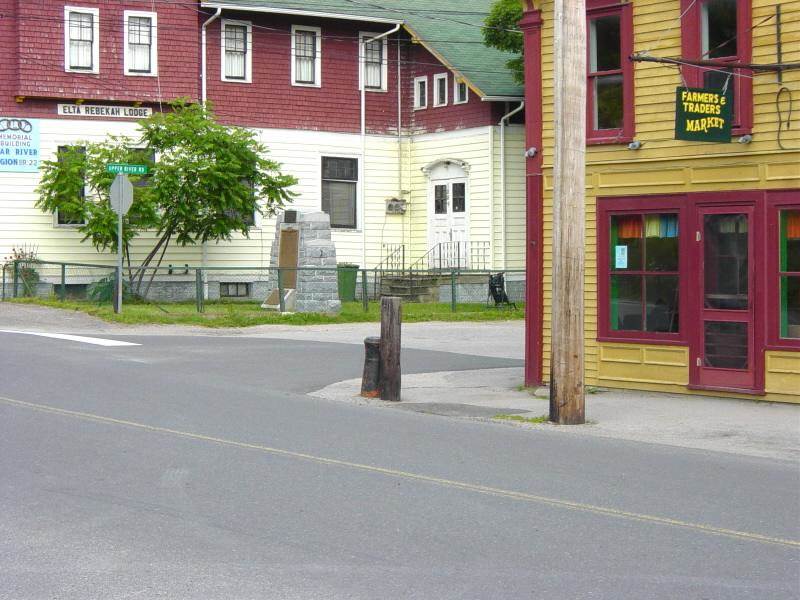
(703, 115)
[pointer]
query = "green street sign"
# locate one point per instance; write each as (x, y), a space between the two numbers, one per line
(703, 115)
(127, 169)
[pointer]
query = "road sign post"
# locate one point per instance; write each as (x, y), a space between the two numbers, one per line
(121, 197)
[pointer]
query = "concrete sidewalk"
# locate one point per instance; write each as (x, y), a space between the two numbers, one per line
(745, 427)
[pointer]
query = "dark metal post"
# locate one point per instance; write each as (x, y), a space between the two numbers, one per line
(16, 277)
(281, 299)
(453, 299)
(198, 289)
(371, 378)
(391, 318)
(364, 290)
(63, 282)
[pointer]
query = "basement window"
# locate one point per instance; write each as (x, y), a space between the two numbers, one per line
(234, 290)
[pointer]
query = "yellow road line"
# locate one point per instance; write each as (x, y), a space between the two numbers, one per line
(461, 485)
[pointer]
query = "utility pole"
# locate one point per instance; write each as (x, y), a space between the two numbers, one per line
(567, 340)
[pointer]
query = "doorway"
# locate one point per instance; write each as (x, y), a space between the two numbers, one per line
(723, 343)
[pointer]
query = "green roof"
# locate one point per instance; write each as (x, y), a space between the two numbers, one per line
(451, 29)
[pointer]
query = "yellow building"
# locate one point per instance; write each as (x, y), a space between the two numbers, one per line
(692, 247)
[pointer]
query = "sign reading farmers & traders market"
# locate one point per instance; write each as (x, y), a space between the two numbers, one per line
(703, 115)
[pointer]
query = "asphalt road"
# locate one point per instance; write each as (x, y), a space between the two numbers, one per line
(196, 467)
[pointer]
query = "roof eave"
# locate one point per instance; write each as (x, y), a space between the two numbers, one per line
(302, 13)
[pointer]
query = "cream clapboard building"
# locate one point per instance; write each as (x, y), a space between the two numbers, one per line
(432, 135)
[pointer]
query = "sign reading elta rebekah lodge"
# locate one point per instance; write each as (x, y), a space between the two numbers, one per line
(98, 111)
(703, 115)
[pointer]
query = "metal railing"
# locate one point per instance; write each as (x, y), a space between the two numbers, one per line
(166, 284)
(459, 255)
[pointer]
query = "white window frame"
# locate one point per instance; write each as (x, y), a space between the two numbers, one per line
(248, 59)
(456, 83)
(317, 31)
(365, 36)
(95, 12)
(417, 104)
(153, 72)
(436, 79)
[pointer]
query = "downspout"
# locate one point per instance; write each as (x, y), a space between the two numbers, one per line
(203, 100)
(361, 63)
(204, 59)
(503, 123)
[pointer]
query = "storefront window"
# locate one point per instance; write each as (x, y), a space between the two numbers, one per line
(644, 282)
(789, 274)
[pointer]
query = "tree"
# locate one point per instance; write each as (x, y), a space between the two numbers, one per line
(502, 32)
(206, 182)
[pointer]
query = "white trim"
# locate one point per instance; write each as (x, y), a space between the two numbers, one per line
(95, 12)
(457, 82)
(384, 61)
(317, 31)
(248, 59)
(305, 13)
(502, 98)
(153, 72)
(417, 104)
(436, 79)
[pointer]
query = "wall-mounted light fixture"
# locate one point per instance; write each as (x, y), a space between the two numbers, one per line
(531, 152)
(635, 145)
(746, 139)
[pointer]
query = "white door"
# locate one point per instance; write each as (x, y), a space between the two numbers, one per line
(448, 223)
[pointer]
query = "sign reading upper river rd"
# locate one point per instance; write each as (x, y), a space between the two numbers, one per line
(703, 115)
(127, 169)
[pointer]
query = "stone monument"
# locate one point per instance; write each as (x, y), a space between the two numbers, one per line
(304, 240)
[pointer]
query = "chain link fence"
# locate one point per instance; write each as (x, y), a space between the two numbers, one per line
(318, 286)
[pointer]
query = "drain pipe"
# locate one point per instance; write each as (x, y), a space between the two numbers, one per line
(204, 59)
(203, 99)
(503, 123)
(361, 64)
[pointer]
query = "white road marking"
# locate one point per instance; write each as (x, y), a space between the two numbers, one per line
(72, 338)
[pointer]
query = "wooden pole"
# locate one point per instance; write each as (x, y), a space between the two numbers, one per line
(567, 357)
(391, 316)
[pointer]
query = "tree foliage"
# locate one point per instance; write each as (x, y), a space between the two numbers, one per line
(502, 32)
(207, 179)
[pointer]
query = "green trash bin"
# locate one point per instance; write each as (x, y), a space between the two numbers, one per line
(347, 275)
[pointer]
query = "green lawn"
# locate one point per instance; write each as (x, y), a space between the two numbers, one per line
(244, 314)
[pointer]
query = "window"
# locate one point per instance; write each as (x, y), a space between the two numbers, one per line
(339, 191)
(420, 93)
(249, 218)
(720, 30)
(141, 43)
(66, 217)
(460, 92)
(440, 89)
(610, 75)
(789, 273)
(306, 56)
(81, 40)
(374, 62)
(237, 51)
(234, 290)
(640, 258)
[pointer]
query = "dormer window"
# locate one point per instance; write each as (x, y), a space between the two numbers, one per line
(460, 92)
(81, 39)
(420, 93)
(440, 89)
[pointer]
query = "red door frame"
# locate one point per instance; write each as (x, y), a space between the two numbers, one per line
(531, 26)
(705, 378)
